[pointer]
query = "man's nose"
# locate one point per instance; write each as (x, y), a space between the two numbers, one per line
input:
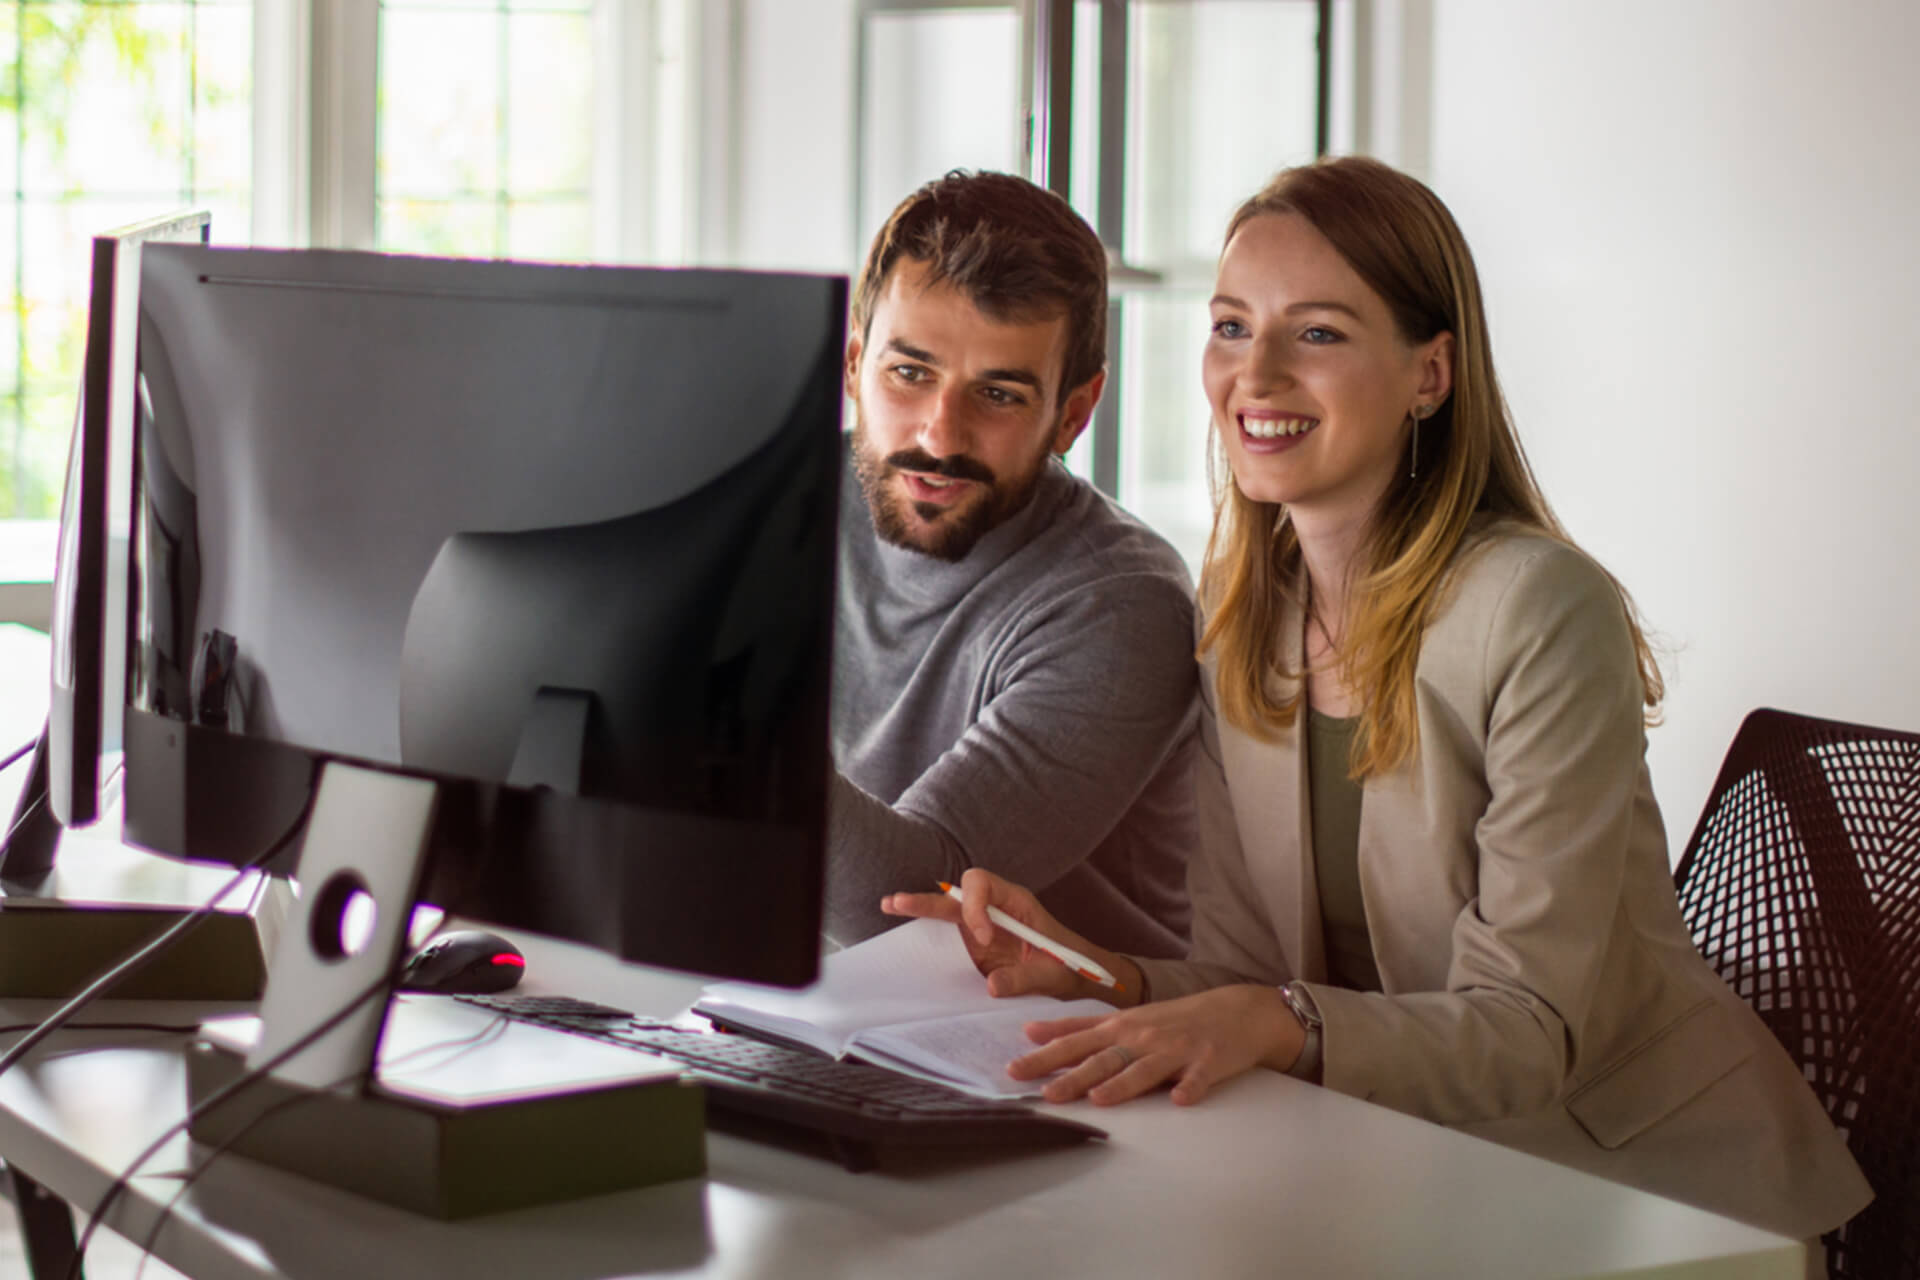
(945, 432)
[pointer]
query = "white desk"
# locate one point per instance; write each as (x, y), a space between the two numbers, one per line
(1268, 1177)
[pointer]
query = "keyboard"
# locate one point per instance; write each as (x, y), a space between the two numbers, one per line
(857, 1113)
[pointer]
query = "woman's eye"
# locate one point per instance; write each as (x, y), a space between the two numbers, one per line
(1320, 334)
(1229, 328)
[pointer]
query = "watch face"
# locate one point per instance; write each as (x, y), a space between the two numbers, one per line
(1302, 1005)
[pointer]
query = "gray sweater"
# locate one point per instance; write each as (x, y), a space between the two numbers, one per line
(1031, 709)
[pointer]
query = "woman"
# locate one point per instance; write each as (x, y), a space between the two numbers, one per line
(1432, 874)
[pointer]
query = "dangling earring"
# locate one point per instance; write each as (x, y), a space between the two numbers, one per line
(1413, 458)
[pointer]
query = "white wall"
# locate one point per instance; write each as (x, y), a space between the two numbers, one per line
(1698, 225)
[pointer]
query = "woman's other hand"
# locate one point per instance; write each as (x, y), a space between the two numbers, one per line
(1197, 1042)
(1012, 966)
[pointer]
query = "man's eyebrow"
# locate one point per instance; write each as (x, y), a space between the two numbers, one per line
(1023, 377)
(912, 352)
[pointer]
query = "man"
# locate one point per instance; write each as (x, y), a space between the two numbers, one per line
(1014, 681)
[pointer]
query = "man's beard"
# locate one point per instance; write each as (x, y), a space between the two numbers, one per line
(944, 533)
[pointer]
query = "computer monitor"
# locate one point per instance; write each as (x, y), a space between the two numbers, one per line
(559, 539)
(87, 626)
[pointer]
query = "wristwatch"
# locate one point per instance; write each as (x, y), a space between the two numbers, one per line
(1307, 1065)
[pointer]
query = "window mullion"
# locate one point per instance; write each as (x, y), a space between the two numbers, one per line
(344, 68)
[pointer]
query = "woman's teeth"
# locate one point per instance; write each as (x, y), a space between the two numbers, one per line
(1269, 428)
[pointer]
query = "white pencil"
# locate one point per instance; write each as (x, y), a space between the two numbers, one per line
(1064, 954)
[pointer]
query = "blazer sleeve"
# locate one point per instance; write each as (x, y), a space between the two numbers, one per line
(1563, 751)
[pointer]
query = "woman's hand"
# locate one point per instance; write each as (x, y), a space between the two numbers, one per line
(1012, 966)
(1197, 1042)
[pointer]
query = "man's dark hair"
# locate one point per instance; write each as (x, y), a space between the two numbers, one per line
(1018, 251)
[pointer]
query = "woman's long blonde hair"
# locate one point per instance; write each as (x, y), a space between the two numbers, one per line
(1402, 241)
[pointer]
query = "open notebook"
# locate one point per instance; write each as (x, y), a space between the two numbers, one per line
(909, 999)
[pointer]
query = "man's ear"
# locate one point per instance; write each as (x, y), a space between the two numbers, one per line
(1077, 411)
(853, 364)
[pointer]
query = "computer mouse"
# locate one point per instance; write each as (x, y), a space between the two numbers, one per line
(464, 962)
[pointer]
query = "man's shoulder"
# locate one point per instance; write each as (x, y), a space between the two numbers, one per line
(1090, 539)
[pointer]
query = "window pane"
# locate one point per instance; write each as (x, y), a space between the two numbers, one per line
(1164, 443)
(222, 150)
(486, 129)
(549, 103)
(120, 112)
(942, 92)
(1197, 148)
(451, 228)
(1194, 153)
(439, 105)
(561, 229)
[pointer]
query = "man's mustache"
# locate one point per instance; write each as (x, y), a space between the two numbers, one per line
(955, 468)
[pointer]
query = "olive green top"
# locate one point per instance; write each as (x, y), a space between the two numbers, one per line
(1335, 797)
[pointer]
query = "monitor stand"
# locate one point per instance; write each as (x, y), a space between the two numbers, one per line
(466, 1112)
(67, 919)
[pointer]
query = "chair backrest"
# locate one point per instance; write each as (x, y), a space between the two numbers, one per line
(1801, 884)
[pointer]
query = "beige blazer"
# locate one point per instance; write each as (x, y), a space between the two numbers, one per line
(1541, 988)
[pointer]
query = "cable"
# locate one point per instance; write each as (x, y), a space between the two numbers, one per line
(26, 816)
(18, 752)
(133, 963)
(218, 1096)
(192, 1176)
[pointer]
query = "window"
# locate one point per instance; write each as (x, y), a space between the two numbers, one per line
(115, 112)
(545, 129)
(1179, 110)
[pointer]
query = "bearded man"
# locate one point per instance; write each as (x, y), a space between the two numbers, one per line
(1014, 680)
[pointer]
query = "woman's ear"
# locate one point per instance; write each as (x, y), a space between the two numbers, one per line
(1436, 369)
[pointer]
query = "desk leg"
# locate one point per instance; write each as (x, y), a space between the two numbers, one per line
(46, 1228)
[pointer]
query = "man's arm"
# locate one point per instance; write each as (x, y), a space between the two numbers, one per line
(1090, 699)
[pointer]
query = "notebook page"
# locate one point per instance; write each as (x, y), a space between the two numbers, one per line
(917, 971)
(970, 1052)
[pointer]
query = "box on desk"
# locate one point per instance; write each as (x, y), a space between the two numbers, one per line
(104, 901)
(532, 1117)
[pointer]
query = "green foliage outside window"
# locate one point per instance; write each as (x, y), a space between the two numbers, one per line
(110, 113)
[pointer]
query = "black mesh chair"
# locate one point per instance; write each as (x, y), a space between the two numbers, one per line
(1801, 885)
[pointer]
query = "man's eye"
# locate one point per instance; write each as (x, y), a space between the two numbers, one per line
(1000, 395)
(909, 372)
(1229, 328)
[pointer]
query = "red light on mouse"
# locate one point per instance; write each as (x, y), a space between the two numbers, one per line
(516, 961)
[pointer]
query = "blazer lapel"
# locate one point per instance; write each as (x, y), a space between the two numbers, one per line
(1297, 913)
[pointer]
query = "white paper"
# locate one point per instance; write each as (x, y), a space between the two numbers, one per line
(916, 981)
(970, 1052)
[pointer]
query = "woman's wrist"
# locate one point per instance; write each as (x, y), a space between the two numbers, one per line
(1303, 1055)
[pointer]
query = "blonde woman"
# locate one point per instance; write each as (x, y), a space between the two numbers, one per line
(1432, 874)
